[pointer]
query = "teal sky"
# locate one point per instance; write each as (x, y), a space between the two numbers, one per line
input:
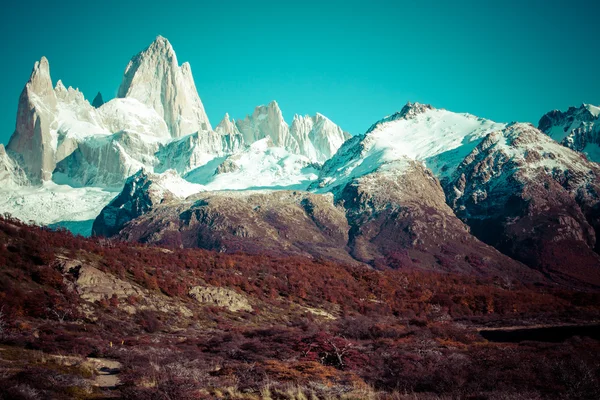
(353, 61)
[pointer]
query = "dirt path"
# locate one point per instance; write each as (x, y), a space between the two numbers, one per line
(107, 372)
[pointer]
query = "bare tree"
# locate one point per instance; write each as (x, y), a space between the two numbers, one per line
(60, 314)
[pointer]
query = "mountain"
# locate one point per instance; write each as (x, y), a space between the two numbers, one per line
(155, 78)
(382, 219)
(577, 128)
(35, 138)
(314, 137)
(534, 200)
(438, 138)
(11, 174)
(64, 145)
(98, 101)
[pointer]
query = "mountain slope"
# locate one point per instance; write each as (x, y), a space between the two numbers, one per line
(533, 199)
(388, 218)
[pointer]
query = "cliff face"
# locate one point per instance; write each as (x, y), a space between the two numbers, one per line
(35, 138)
(533, 199)
(155, 78)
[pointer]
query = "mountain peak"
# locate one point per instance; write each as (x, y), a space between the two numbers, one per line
(227, 126)
(155, 78)
(39, 80)
(409, 111)
(412, 109)
(98, 101)
(161, 45)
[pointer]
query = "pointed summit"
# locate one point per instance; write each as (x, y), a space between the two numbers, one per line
(98, 101)
(155, 78)
(409, 111)
(32, 138)
(267, 121)
(227, 126)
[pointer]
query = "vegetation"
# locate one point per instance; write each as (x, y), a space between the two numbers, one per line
(317, 330)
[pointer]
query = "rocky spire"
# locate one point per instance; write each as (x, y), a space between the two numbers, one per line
(155, 78)
(98, 101)
(317, 136)
(32, 139)
(227, 126)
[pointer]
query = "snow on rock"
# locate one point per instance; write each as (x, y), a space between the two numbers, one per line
(34, 139)
(438, 138)
(314, 137)
(130, 114)
(142, 192)
(318, 138)
(199, 149)
(261, 166)
(106, 161)
(53, 204)
(155, 78)
(577, 128)
(11, 174)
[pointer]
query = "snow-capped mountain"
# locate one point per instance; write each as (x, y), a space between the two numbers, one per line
(155, 78)
(422, 188)
(533, 199)
(438, 138)
(157, 122)
(577, 128)
(316, 138)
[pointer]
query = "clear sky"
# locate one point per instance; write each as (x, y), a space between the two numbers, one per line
(353, 61)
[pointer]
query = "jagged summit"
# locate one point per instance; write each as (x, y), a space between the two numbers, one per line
(227, 126)
(98, 101)
(155, 78)
(577, 128)
(410, 110)
(32, 139)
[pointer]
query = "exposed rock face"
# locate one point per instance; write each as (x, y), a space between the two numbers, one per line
(193, 151)
(398, 217)
(534, 200)
(33, 138)
(140, 194)
(227, 126)
(98, 101)
(220, 297)
(577, 128)
(155, 78)
(316, 138)
(253, 222)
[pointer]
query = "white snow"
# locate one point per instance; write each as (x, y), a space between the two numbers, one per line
(55, 204)
(261, 166)
(438, 138)
(595, 111)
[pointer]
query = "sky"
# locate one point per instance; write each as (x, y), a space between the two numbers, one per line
(353, 61)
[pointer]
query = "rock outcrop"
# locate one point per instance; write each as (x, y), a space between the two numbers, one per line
(220, 297)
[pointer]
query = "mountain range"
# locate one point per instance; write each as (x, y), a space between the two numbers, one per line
(423, 188)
